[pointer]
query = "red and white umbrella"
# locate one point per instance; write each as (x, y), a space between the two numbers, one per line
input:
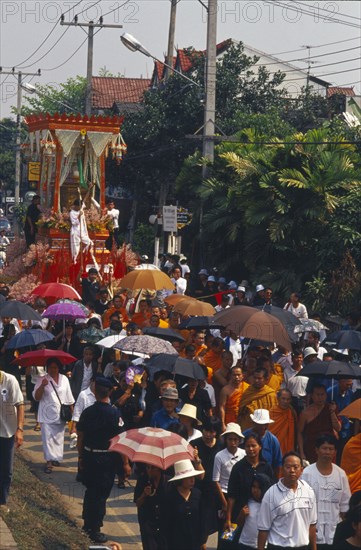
(56, 290)
(153, 446)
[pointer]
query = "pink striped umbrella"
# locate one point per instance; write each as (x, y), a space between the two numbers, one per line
(153, 446)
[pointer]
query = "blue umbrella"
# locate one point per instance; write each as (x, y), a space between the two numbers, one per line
(29, 337)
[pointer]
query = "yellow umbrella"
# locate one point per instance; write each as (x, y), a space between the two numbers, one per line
(353, 410)
(173, 299)
(191, 306)
(147, 278)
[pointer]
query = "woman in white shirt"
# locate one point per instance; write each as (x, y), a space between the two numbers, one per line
(52, 426)
(188, 417)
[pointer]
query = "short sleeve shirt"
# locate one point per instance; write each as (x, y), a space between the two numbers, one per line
(10, 398)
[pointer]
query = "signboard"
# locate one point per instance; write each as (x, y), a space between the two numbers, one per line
(184, 217)
(170, 219)
(34, 171)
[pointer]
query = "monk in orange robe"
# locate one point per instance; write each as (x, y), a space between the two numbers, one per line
(117, 307)
(213, 358)
(230, 396)
(142, 317)
(350, 462)
(256, 396)
(285, 421)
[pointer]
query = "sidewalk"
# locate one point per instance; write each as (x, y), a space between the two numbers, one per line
(6, 539)
(120, 523)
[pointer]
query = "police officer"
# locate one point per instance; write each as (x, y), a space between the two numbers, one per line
(97, 425)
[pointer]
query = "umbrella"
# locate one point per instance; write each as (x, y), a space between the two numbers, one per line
(74, 302)
(344, 339)
(29, 337)
(109, 341)
(147, 278)
(147, 266)
(145, 344)
(64, 312)
(56, 290)
(191, 306)
(153, 446)
(173, 299)
(287, 318)
(164, 333)
(2, 298)
(309, 325)
(40, 357)
(257, 325)
(18, 310)
(353, 410)
(202, 321)
(331, 369)
(176, 365)
(91, 335)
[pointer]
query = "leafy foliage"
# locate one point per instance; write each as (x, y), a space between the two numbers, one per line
(57, 99)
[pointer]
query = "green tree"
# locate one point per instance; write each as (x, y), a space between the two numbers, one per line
(55, 99)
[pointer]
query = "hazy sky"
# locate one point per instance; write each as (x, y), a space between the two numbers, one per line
(272, 26)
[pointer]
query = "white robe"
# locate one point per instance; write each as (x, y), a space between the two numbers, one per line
(78, 233)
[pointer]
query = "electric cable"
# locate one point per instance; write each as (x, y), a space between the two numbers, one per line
(318, 46)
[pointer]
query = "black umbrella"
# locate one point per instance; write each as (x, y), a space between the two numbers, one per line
(344, 339)
(202, 321)
(331, 369)
(287, 318)
(176, 365)
(19, 310)
(164, 333)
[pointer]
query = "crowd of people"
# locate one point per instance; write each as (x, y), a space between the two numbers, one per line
(274, 461)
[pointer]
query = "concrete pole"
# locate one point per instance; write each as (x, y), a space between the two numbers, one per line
(89, 73)
(169, 60)
(209, 107)
(18, 141)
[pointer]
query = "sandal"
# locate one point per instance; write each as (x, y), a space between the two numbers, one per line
(55, 463)
(48, 469)
(37, 428)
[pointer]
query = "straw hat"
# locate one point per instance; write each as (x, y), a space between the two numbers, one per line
(261, 416)
(183, 469)
(191, 412)
(233, 428)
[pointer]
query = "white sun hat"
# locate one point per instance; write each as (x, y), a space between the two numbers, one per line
(261, 416)
(183, 469)
(233, 428)
(190, 411)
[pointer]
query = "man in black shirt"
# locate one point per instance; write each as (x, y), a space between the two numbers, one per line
(33, 214)
(90, 287)
(97, 425)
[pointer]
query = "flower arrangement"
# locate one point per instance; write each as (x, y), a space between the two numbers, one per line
(96, 221)
(22, 289)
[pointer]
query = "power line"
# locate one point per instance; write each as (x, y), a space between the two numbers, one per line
(46, 53)
(87, 8)
(312, 56)
(68, 59)
(115, 9)
(318, 46)
(319, 66)
(321, 76)
(312, 14)
(329, 11)
(43, 42)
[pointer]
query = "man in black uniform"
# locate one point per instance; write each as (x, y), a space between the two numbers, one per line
(97, 425)
(33, 214)
(90, 286)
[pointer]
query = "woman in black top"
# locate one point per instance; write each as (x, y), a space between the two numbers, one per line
(352, 542)
(149, 496)
(242, 474)
(208, 446)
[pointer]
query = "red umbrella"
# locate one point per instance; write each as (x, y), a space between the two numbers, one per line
(56, 290)
(40, 357)
(153, 446)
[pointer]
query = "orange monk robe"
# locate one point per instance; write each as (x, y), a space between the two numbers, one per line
(350, 462)
(274, 382)
(284, 427)
(140, 319)
(163, 324)
(213, 360)
(253, 399)
(231, 408)
(109, 312)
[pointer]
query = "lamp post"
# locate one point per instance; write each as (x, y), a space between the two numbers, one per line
(31, 89)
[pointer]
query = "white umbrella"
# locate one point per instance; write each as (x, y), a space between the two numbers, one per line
(109, 341)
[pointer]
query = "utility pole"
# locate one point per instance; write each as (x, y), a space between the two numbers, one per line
(90, 26)
(169, 59)
(20, 76)
(210, 105)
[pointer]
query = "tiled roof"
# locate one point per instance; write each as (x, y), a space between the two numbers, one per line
(109, 90)
(337, 90)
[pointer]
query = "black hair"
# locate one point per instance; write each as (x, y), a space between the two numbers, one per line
(264, 481)
(116, 326)
(261, 370)
(55, 360)
(179, 429)
(93, 321)
(212, 424)
(355, 500)
(76, 202)
(354, 515)
(315, 334)
(326, 438)
(318, 386)
(291, 453)
(101, 391)
(253, 435)
(159, 374)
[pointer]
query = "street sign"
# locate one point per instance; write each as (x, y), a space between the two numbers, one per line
(184, 217)
(34, 171)
(170, 219)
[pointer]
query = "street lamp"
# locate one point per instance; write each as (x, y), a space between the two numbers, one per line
(135, 46)
(31, 89)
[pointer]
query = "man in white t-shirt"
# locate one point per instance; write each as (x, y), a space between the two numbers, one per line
(331, 488)
(288, 514)
(180, 284)
(294, 306)
(113, 213)
(11, 430)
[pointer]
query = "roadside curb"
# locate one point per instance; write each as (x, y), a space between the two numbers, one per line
(7, 541)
